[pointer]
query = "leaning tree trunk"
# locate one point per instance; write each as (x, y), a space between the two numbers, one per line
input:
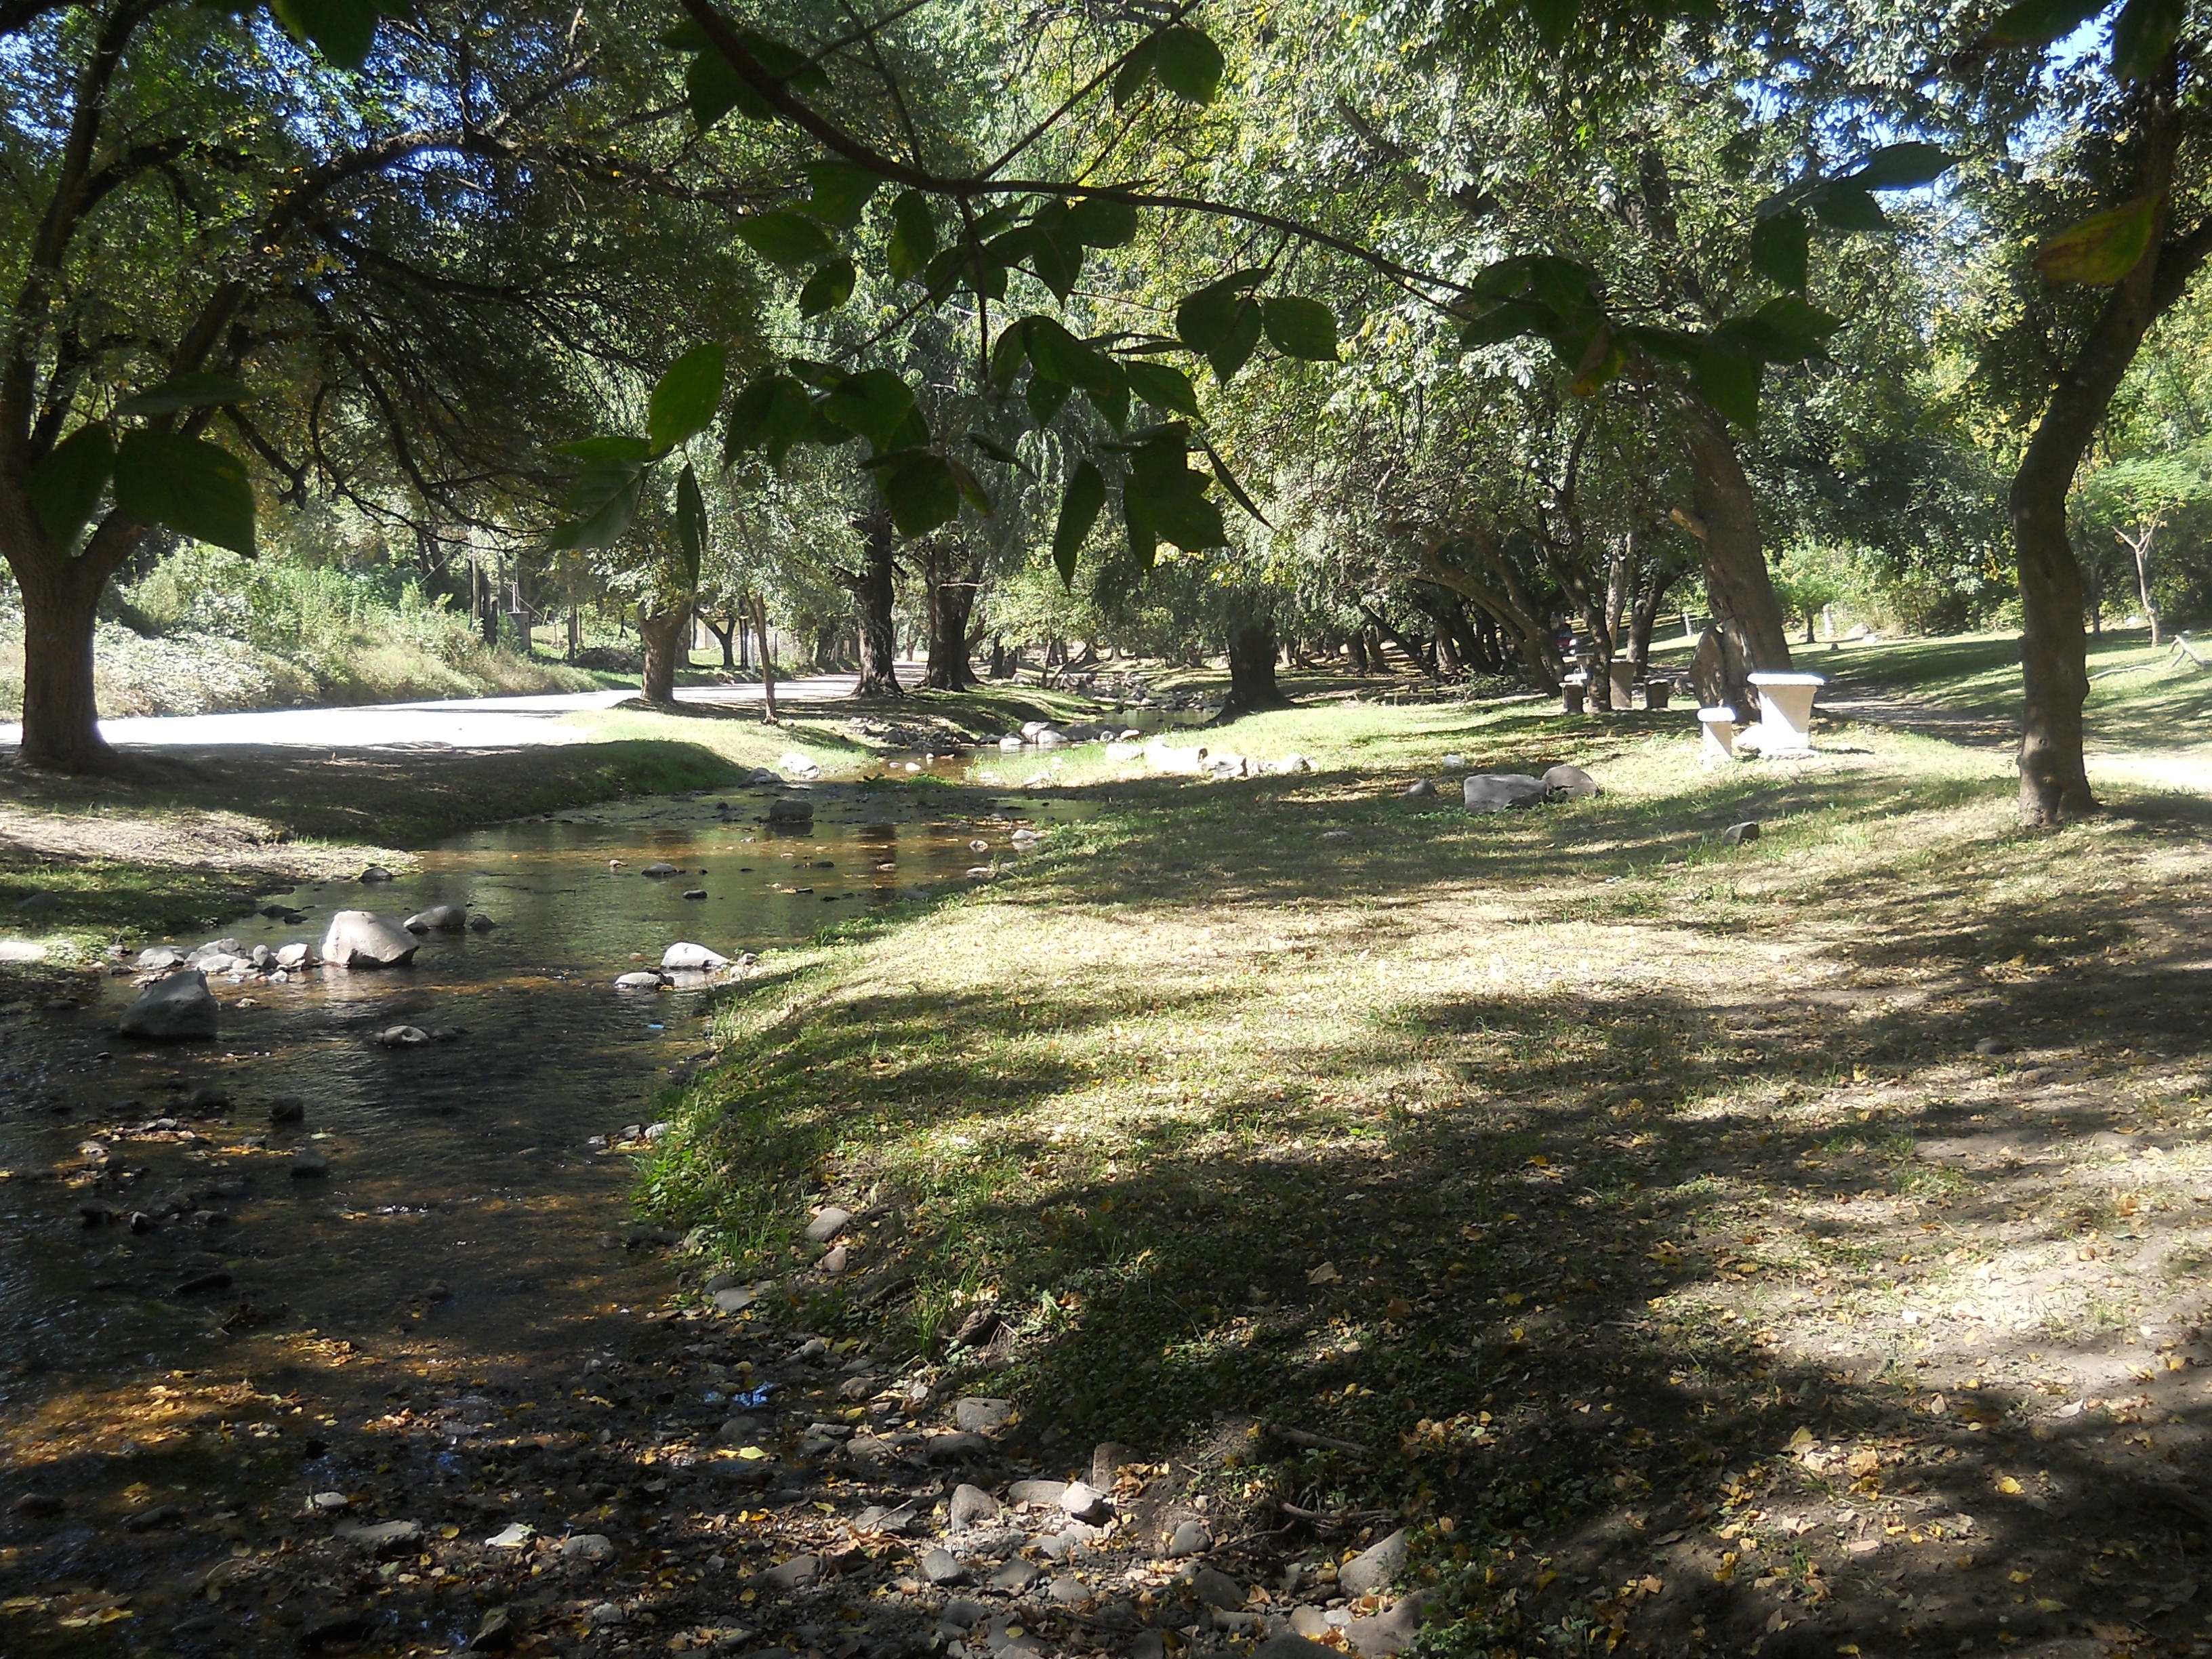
(1748, 622)
(664, 636)
(872, 595)
(1252, 685)
(767, 661)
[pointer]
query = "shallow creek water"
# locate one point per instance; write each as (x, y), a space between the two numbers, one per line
(466, 1225)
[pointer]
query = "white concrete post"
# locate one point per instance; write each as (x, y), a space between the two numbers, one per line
(1785, 719)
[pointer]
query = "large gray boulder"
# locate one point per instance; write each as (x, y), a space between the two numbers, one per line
(168, 1010)
(791, 810)
(363, 938)
(1497, 792)
(686, 957)
(439, 918)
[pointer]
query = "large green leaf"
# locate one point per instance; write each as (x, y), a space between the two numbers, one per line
(1235, 349)
(1006, 355)
(65, 488)
(786, 239)
(713, 88)
(342, 30)
(874, 404)
(192, 487)
(771, 414)
(1078, 511)
(914, 235)
(684, 402)
(2102, 248)
(1555, 20)
(827, 287)
(1136, 69)
(1055, 253)
(2039, 22)
(1300, 328)
(2142, 35)
(1205, 318)
(1902, 166)
(1847, 207)
(1169, 499)
(1102, 222)
(921, 491)
(1805, 327)
(841, 192)
(1059, 355)
(971, 487)
(186, 391)
(1045, 397)
(1780, 246)
(1513, 319)
(1730, 382)
(603, 499)
(691, 526)
(1164, 386)
(1188, 63)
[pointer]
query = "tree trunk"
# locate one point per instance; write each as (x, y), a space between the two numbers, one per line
(665, 634)
(1747, 618)
(61, 720)
(951, 599)
(872, 595)
(2140, 546)
(575, 629)
(725, 635)
(1504, 600)
(767, 661)
(1355, 651)
(1252, 685)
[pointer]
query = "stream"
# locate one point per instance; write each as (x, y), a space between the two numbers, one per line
(171, 1290)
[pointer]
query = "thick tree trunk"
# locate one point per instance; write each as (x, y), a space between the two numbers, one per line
(872, 595)
(1746, 615)
(61, 722)
(1252, 685)
(665, 634)
(951, 599)
(725, 635)
(1504, 600)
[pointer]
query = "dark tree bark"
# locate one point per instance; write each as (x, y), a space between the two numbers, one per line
(767, 661)
(61, 722)
(1355, 651)
(725, 635)
(665, 634)
(1747, 616)
(1252, 685)
(951, 597)
(1501, 597)
(873, 595)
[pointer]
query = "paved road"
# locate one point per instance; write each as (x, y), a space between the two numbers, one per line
(462, 723)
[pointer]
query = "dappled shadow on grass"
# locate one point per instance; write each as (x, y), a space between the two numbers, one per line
(1509, 1242)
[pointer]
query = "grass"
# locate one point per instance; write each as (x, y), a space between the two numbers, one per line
(1572, 1162)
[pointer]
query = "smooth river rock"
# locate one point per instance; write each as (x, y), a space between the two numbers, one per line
(1497, 792)
(439, 918)
(683, 957)
(362, 939)
(172, 1009)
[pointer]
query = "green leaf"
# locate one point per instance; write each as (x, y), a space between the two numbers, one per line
(1845, 206)
(192, 487)
(874, 404)
(1555, 20)
(841, 192)
(65, 488)
(2142, 35)
(997, 451)
(1102, 222)
(827, 287)
(1006, 355)
(914, 235)
(2102, 248)
(1165, 388)
(713, 88)
(1566, 286)
(1109, 396)
(1059, 355)
(691, 526)
(1731, 383)
(1054, 252)
(1189, 63)
(1136, 69)
(1301, 328)
(342, 30)
(971, 487)
(1807, 327)
(1780, 245)
(771, 414)
(786, 239)
(684, 402)
(185, 392)
(1234, 350)
(1078, 511)
(1902, 166)
(1228, 480)
(614, 495)
(1514, 319)
(921, 491)
(2039, 22)
(1169, 499)
(1045, 397)
(1205, 318)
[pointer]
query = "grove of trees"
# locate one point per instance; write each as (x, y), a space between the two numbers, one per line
(1418, 336)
